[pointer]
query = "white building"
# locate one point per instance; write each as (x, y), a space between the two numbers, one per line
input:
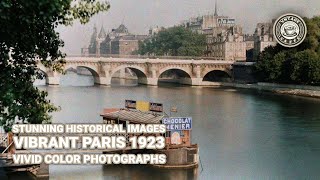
(263, 37)
(228, 44)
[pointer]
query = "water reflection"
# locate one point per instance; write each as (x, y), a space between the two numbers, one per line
(73, 79)
(116, 172)
(124, 82)
(39, 82)
(140, 172)
(240, 133)
(76, 172)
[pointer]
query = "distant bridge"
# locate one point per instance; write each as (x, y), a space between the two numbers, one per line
(148, 70)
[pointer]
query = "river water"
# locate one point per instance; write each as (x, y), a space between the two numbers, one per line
(241, 133)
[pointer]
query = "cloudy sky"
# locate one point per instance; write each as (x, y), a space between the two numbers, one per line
(140, 15)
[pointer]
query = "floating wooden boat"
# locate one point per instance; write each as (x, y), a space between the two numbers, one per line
(179, 150)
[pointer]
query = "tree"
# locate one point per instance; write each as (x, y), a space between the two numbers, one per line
(300, 65)
(272, 66)
(174, 41)
(28, 32)
(305, 67)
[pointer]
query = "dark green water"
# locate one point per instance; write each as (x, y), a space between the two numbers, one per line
(242, 134)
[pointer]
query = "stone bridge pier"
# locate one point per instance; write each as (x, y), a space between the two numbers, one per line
(148, 71)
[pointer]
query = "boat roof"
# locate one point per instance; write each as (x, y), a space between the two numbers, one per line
(133, 115)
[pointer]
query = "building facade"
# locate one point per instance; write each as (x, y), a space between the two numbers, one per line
(209, 23)
(227, 45)
(263, 37)
(249, 39)
(126, 45)
(118, 41)
(224, 38)
(155, 30)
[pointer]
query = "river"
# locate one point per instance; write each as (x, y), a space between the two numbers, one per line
(241, 133)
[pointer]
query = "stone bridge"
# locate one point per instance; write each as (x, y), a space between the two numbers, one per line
(147, 70)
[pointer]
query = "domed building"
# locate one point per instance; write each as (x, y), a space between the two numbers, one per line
(118, 41)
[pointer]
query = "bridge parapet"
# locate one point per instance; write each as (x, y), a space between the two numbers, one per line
(137, 60)
(146, 57)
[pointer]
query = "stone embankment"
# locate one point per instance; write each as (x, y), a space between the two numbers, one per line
(298, 90)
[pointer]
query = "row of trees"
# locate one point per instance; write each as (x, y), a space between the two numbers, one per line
(298, 65)
(174, 41)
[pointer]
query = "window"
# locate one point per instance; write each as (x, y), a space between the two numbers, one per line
(168, 134)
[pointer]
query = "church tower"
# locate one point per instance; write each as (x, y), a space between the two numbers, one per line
(100, 38)
(93, 41)
(215, 9)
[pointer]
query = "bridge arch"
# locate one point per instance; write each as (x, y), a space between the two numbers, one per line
(138, 70)
(44, 78)
(46, 73)
(217, 75)
(185, 76)
(92, 69)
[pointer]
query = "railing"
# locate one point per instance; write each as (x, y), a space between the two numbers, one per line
(3, 139)
(4, 142)
(145, 57)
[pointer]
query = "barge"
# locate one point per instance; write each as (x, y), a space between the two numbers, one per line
(180, 152)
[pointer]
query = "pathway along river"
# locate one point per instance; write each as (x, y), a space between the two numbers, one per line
(241, 133)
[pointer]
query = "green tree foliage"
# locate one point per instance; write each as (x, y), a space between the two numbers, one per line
(305, 66)
(299, 65)
(27, 35)
(174, 41)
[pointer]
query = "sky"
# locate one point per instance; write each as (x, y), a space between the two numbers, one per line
(140, 15)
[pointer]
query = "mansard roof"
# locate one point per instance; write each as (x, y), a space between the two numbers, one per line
(122, 29)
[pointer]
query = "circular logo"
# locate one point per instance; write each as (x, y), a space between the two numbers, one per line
(290, 30)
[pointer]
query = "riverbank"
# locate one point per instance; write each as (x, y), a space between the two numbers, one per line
(298, 90)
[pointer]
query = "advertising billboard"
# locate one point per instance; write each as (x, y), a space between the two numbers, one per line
(178, 123)
(226, 21)
(130, 104)
(156, 107)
